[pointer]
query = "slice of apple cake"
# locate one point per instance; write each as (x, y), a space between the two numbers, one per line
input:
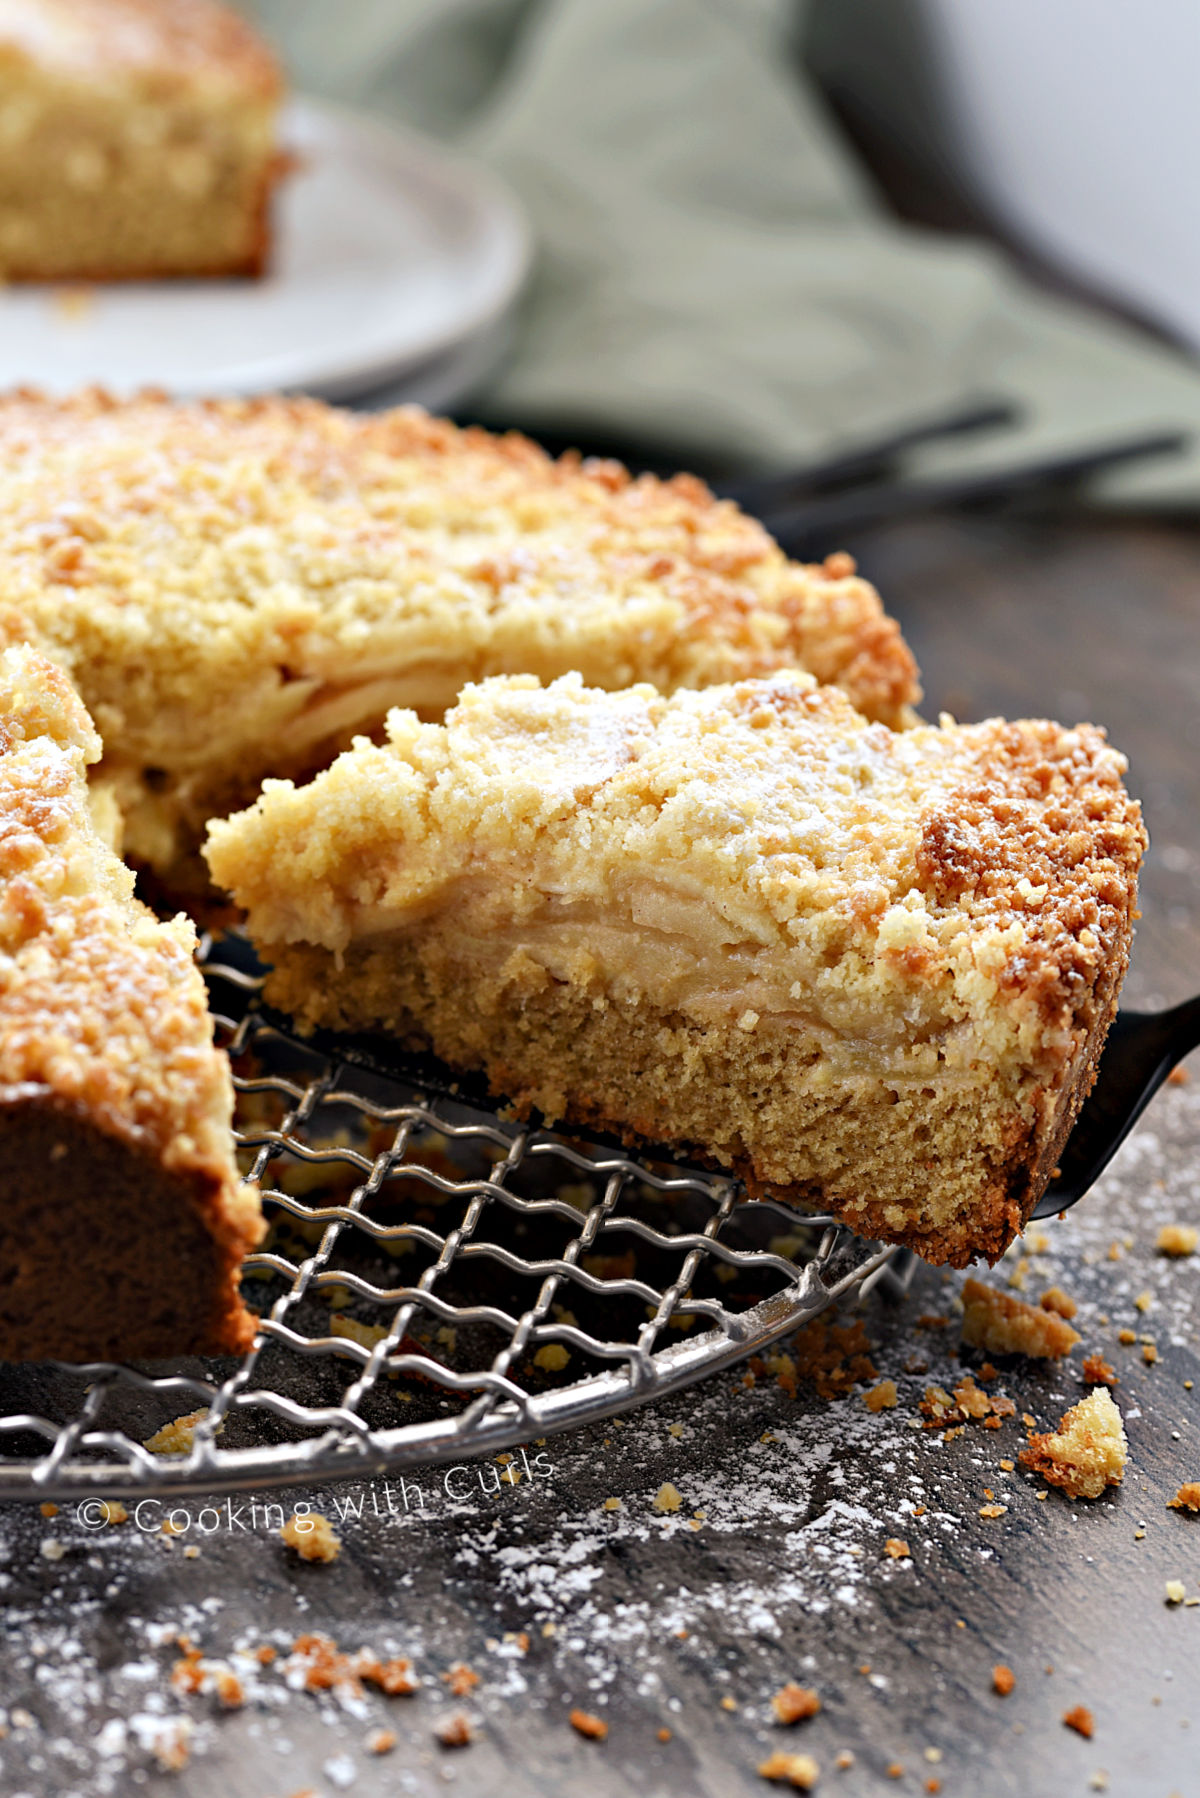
(237, 588)
(870, 971)
(125, 1222)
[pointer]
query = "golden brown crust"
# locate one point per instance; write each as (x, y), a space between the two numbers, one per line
(104, 1034)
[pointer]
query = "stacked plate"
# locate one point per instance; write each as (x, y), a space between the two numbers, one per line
(397, 266)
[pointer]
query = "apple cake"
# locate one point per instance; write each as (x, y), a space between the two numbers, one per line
(125, 1222)
(137, 139)
(869, 971)
(237, 588)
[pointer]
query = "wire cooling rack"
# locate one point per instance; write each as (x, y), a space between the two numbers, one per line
(437, 1283)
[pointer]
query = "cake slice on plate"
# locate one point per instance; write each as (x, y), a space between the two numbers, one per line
(237, 588)
(125, 1222)
(871, 971)
(137, 139)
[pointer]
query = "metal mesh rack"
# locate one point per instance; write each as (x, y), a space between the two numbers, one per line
(437, 1283)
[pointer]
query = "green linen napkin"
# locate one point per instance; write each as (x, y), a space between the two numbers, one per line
(714, 273)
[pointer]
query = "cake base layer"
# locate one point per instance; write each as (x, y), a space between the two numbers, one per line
(147, 1274)
(950, 1165)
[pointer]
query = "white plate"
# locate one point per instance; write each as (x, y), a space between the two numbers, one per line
(392, 254)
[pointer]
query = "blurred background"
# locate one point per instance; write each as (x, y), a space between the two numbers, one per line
(768, 232)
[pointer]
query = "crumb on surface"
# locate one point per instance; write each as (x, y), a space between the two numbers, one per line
(1127, 1337)
(114, 1511)
(381, 1741)
(552, 1357)
(1099, 1372)
(585, 1724)
(667, 1498)
(1086, 1453)
(1003, 1679)
(48, 1510)
(1056, 1300)
(883, 1397)
(999, 1324)
(312, 1536)
(798, 1770)
(992, 1510)
(897, 1549)
(1080, 1719)
(1177, 1240)
(793, 1703)
(844, 1761)
(1187, 1498)
(1176, 1591)
(1149, 1353)
(664, 1735)
(454, 1731)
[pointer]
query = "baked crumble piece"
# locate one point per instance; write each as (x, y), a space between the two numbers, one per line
(793, 1703)
(312, 1536)
(1187, 1498)
(866, 970)
(999, 1324)
(1087, 1452)
(797, 1770)
(237, 587)
(1177, 1240)
(137, 140)
(125, 1219)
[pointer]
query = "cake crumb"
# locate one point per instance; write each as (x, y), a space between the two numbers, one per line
(1099, 1372)
(552, 1357)
(1143, 1302)
(114, 1511)
(612, 1504)
(1056, 1300)
(1176, 1591)
(176, 1437)
(48, 1510)
(664, 1735)
(461, 1679)
(584, 1724)
(381, 1741)
(1178, 1077)
(1187, 1498)
(667, 1498)
(1080, 1719)
(1149, 1353)
(1177, 1240)
(894, 1770)
(797, 1770)
(1003, 1679)
(844, 1761)
(1087, 1452)
(992, 1510)
(312, 1536)
(1001, 1325)
(793, 1703)
(454, 1731)
(883, 1397)
(897, 1549)
(727, 1703)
